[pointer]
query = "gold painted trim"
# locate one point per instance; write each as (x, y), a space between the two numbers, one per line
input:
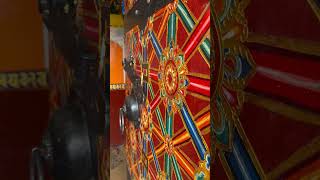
(183, 144)
(284, 109)
(313, 175)
(225, 166)
(199, 75)
(118, 86)
(202, 112)
(315, 8)
(206, 131)
(295, 45)
(186, 174)
(186, 156)
(296, 158)
(199, 96)
(250, 149)
(23, 80)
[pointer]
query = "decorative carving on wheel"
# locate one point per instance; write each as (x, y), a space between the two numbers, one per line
(171, 55)
(173, 78)
(231, 73)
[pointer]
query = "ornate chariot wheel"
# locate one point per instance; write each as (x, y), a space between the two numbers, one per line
(172, 56)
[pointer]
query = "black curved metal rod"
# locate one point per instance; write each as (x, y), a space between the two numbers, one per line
(36, 166)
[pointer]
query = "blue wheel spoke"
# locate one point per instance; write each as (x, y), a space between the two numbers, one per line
(193, 131)
(156, 162)
(144, 148)
(155, 44)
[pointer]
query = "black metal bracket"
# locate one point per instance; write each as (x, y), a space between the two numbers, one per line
(140, 12)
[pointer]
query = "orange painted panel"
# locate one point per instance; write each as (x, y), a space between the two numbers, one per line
(21, 44)
(116, 69)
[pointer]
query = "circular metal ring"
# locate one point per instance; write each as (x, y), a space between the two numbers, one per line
(121, 120)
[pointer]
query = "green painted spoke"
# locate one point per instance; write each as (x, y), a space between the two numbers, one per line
(189, 22)
(167, 166)
(158, 114)
(169, 123)
(205, 48)
(172, 26)
(185, 16)
(160, 121)
(176, 168)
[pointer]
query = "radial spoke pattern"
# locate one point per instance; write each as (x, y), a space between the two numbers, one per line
(176, 123)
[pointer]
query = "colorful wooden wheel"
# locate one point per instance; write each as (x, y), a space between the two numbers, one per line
(266, 119)
(172, 58)
(230, 145)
